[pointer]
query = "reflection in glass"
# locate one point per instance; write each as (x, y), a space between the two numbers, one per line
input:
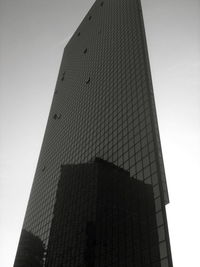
(102, 217)
(31, 251)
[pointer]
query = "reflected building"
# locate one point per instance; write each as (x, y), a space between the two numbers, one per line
(103, 107)
(102, 217)
(31, 251)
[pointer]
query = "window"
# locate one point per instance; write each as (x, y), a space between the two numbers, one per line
(43, 168)
(88, 81)
(56, 116)
(63, 76)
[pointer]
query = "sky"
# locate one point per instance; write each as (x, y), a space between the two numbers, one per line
(33, 34)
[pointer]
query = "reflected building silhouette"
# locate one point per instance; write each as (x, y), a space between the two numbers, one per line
(102, 217)
(31, 251)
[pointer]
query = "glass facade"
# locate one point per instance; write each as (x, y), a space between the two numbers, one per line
(103, 106)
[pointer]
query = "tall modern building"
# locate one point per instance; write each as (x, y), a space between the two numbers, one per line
(99, 192)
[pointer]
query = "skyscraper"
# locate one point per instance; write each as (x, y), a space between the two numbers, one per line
(103, 107)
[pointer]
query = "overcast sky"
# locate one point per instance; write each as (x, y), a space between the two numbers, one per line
(33, 34)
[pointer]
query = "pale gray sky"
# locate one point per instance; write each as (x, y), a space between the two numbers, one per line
(33, 35)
